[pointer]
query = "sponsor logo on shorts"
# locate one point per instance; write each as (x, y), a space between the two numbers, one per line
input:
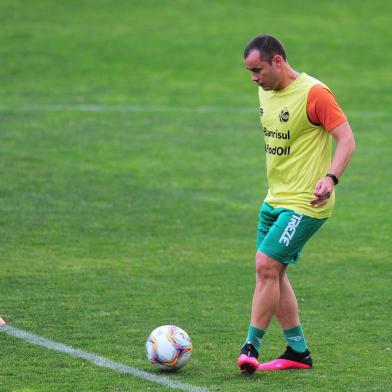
(290, 229)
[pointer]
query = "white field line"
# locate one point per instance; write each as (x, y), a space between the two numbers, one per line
(84, 107)
(98, 360)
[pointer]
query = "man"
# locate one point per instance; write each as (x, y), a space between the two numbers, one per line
(299, 117)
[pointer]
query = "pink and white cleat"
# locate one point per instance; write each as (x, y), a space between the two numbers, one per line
(247, 361)
(289, 360)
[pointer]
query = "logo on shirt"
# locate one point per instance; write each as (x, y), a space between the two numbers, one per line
(276, 134)
(284, 115)
(277, 150)
(261, 112)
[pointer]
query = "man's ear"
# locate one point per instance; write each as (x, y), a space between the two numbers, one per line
(278, 59)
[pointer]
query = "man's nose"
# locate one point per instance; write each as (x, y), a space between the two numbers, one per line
(255, 76)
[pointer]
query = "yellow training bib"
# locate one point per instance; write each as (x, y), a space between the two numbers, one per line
(298, 153)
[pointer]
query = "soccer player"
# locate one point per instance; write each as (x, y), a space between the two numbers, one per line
(299, 118)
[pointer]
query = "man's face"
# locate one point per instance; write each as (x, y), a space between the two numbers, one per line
(267, 74)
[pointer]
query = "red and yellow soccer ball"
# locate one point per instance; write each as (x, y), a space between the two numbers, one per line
(169, 348)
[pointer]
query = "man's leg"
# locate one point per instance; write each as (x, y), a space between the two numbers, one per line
(264, 306)
(297, 355)
(287, 311)
(266, 297)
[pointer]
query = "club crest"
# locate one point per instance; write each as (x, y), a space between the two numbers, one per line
(284, 115)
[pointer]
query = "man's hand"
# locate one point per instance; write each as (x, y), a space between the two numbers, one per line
(322, 191)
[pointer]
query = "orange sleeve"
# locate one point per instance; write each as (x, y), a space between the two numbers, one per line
(323, 109)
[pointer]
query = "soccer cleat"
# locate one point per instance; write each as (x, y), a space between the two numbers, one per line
(247, 361)
(289, 360)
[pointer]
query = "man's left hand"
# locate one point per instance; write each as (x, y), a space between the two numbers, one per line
(322, 191)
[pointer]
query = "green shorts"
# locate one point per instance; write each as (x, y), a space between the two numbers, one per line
(282, 233)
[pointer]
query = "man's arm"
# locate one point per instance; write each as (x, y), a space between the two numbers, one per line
(345, 146)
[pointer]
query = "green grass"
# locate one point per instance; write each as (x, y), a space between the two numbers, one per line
(115, 222)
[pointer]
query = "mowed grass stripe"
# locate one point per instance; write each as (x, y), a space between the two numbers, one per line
(86, 107)
(98, 360)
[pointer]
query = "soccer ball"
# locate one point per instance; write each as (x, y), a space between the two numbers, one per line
(169, 347)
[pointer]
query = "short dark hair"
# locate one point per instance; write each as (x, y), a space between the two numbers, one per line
(267, 45)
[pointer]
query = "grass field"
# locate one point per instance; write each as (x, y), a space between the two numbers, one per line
(132, 169)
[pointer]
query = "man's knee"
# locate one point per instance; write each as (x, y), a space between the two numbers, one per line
(267, 268)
